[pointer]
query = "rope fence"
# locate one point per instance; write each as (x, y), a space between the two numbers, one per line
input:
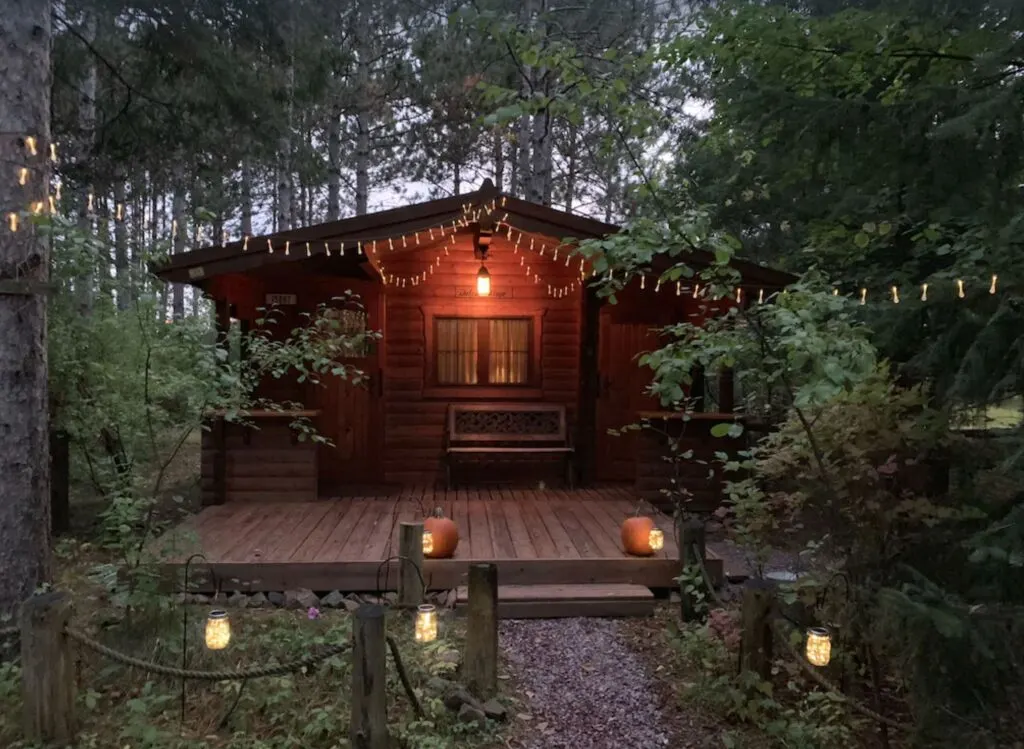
(282, 669)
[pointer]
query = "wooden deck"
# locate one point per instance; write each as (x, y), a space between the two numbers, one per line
(546, 537)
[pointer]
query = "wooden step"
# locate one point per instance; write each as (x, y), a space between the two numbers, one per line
(564, 601)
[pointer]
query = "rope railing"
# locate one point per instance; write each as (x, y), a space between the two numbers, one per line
(160, 669)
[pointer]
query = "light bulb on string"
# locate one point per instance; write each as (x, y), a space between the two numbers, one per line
(309, 252)
(992, 288)
(245, 243)
(23, 176)
(30, 145)
(12, 221)
(53, 152)
(960, 288)
(270, 247)
(760, 296)
(327, 248)
(863, 296)
(895, 295)
(924, 292)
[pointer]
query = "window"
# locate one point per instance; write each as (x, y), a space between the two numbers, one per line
(482, 351)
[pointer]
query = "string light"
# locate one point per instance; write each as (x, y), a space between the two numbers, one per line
(119, 211)
(92, 198)
(308, 251)
(992, 288)
(53, 152)
(863, 296)
(287, 246)
(739, 295)
(327, 248)
(53, 204)
(245, 243)
(760, 296)
(12, 221)
(30, 145)
(895, 295)
(960, 288)
(270, 247)
(37, 207)
(924, 292)
(23, 176)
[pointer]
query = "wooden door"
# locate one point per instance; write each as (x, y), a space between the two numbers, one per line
(621, 393)
(350, 413)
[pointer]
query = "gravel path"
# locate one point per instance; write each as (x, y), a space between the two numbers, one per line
(583, 685)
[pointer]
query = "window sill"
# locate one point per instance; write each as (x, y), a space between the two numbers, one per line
(483, 392)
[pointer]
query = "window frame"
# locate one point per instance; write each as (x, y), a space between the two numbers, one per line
(529, 389)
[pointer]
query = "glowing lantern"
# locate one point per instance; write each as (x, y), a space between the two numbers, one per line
(819, 646)
(483, 281)
(218, 630)
(428, 543)
(426, 623)
(656, 539)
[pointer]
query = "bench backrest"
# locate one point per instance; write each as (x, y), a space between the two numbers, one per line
(506, 422)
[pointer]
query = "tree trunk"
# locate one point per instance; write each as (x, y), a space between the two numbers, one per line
(178, 229)
(362, 160)
(499, 159)
(570, 172)
(120, 242)
(457, 178)
(25, 83)
(540, 145)
(523, 179)
(87, 128)
(246, 227)
(334, 167)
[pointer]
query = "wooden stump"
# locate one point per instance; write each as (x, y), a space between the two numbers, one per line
(368, 728)
(410, 580)
(481, 662)
(47, 670)
(756, 643)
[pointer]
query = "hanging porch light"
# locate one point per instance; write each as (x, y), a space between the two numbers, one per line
(426, 623)
(483, 281)
(218, 630)
(819, 646)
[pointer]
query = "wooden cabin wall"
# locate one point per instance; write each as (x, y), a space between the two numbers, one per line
(415, 409)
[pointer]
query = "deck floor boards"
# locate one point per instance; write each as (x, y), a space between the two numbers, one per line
(544, 536)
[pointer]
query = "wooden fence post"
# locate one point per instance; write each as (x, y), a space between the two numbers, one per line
(691, 537)
(410, 580)
(47, 669)
(481, 662)
(756, 643)
(368, 728)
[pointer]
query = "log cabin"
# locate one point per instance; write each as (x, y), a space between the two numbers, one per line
(497, 365)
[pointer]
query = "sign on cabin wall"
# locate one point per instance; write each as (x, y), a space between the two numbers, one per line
(282, 300)
(470, 291)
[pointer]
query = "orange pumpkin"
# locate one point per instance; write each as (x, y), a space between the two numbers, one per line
(444, 533)
(636, 535)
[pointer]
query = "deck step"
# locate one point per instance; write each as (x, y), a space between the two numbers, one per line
(564, 601)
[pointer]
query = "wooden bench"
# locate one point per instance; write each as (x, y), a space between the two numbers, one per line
(482, 429)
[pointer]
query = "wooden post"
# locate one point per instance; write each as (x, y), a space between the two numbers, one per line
(756, 643)
(60, 482)
(47, 670)
(368, 728)
(481, 662)
(410, 580)
(691, 539)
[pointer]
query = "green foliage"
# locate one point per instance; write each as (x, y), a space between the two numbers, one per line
(794, 717)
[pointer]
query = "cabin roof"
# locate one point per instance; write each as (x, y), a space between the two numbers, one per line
(197, 266)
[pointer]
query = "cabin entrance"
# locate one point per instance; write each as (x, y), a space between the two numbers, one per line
(350, 414)
(621, 392)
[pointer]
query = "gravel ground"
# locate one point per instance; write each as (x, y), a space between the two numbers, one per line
(585, 688)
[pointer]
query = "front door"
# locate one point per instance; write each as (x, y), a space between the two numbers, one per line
(350, 413)
(621, 394)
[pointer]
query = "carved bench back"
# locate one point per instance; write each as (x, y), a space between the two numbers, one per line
(506, 422)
